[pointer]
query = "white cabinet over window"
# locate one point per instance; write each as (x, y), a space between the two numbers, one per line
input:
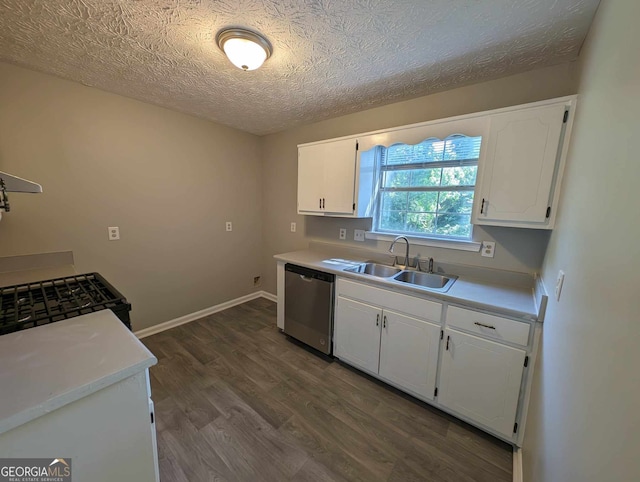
(327, 177)
(392, 175)
(521, 166)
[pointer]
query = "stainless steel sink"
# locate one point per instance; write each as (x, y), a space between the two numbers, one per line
(375, 269)
(432, 281)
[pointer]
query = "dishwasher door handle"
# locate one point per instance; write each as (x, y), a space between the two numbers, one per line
(306, 278)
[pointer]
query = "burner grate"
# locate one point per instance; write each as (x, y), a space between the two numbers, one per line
(33, 304)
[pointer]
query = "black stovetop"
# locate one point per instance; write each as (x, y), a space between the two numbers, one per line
(33, 304)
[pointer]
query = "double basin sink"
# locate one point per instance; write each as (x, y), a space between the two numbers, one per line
(432, 281)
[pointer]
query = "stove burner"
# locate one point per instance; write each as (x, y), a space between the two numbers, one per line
(70, 292)
(33, 304)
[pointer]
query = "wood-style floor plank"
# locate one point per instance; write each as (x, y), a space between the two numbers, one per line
(236, 400)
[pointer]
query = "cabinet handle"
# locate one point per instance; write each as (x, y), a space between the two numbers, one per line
(384, 321)
(320, 203)
(448, 342)
(378, 320)
(482, 207)
(484, 326)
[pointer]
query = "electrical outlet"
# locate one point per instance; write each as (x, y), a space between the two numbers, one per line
(488, 249)
(293, 227)
(343, 233)
(229, 226)
(559, 282)
(358, 235)
(114, 233)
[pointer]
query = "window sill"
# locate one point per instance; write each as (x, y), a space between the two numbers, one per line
(433, 242)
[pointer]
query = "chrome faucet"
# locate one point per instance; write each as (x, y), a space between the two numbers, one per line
(406, 259)
(430, 269)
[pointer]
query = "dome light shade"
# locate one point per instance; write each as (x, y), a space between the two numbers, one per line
(245, 49)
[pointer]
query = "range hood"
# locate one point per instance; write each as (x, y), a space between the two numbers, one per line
(11, 183)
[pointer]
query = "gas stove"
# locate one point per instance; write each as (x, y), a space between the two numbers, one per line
(29, 305)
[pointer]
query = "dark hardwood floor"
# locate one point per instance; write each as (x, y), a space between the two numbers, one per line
(235, 400)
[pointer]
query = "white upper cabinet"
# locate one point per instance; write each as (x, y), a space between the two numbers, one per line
(521, 166)
(519, 169)
(327, 177)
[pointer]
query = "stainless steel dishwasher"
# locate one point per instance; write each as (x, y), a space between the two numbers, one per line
(308, 306)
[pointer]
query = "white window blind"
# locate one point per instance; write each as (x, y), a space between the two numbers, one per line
(427, 189)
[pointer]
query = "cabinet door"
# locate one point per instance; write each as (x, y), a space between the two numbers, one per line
(481, 379)
(519, 165)
(357, 333)
(339, 176)
(409, 352)
(310, 179)
(326, 177)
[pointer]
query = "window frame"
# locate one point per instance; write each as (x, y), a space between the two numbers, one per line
(430, 238)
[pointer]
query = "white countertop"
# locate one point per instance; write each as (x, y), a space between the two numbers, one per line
(45, 368)
(500, 298)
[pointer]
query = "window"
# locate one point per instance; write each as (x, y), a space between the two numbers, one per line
(427, 189)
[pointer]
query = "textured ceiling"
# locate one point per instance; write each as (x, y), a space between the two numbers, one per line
(330, 57)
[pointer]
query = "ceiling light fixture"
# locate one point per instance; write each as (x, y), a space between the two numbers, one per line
(245, 49)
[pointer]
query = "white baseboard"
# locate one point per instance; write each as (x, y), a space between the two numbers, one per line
(152, 330)
(269, 296)
(517, 465)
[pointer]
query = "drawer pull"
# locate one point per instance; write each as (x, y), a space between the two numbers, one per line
(377, 320)
(484, 326)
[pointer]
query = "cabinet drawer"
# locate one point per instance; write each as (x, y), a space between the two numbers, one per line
(489, 326)
(410, 305)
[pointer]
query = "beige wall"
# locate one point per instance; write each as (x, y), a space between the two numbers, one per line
(517, 249)
(168, 180)
(584, 422)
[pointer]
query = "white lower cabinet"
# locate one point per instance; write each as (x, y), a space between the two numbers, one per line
(109, 435)
(357, 333)
(475, 359)
(409, 353)
(481, 380)
(401, 349)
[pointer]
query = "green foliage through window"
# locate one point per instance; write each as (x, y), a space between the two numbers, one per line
(427, 189)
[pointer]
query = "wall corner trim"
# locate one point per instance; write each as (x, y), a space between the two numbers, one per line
(152, 330)
(517, 465)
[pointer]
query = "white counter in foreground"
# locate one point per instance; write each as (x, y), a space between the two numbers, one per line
(45, 368)
(79, 389)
